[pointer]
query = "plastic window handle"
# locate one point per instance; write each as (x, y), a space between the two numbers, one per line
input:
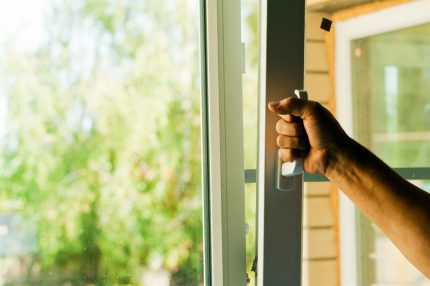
(294, 168)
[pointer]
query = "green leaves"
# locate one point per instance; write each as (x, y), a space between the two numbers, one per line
(103, 141)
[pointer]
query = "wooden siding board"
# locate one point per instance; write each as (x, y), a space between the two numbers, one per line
(319, 243)
(316, 58)
(316, 273)
(318, 86)
(317, 188)
(317, 212)
(313, 22)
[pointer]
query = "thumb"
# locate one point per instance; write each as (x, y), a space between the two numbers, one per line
(294, 106)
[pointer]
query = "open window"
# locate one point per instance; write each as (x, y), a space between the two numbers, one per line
(100, 150)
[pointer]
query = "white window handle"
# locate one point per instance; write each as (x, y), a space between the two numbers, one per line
(287, 170)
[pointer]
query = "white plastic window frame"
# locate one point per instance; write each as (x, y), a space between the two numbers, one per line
(386, 20)
(224, 178)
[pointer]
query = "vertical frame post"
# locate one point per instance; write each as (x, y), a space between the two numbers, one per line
(282, 38)
(204, 116)
(225, 142)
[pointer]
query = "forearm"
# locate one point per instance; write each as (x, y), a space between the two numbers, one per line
(399, 208)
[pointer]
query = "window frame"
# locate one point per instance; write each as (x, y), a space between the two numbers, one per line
(224, 178)
(279, 213)
(385, 20)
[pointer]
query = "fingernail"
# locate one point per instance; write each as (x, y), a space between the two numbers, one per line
(274, 103)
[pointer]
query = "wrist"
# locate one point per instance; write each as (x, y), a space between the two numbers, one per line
(339, 158)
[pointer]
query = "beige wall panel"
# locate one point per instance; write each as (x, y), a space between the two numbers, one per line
(313, 23)
(317, 188)
(319, 243)
(318, 212)
(316, 57)
(320, 273)
(318, 86)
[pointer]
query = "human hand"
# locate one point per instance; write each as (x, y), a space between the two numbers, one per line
(308, 130)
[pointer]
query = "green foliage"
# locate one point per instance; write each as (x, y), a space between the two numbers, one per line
(102, 150)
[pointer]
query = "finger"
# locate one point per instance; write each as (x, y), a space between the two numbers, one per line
(288, 142)
(290, 118)
(290, 129)
(289, 155)
(273, 105)
(294, 106)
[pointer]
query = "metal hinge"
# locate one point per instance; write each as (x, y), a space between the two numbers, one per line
(254, 265)
(253, 269)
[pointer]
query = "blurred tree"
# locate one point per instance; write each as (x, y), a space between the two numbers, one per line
(102, 148)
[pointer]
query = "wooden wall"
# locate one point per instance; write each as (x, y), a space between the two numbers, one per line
(320, 247)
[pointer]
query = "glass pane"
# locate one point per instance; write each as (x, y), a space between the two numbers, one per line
(100, 143)
(391, 74)
(250, 37)
(391, 79)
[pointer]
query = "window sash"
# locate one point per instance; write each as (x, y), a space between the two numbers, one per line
(223, 136)
(279, 215)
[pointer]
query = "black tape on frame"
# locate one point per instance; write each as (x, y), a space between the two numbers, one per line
(326, 24)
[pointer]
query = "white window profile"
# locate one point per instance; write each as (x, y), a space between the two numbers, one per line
(224, 142)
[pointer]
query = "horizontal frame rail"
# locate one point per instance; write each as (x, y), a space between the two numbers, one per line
(419, 173)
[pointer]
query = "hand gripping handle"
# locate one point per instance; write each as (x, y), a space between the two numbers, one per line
(287, 170)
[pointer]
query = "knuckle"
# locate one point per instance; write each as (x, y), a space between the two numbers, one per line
(315, 107)
(290, 118)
